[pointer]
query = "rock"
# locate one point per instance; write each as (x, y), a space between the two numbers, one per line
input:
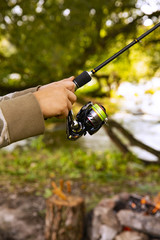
(107, 203)
(146, 224)
(131, 235)
(106, 233)
(104, 225)
(117, 202)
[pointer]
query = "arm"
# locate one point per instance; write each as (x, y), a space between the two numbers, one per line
(23, 116)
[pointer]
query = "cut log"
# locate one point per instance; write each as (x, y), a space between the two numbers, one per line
(64, 218)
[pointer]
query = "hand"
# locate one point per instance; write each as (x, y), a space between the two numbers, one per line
(56, 99)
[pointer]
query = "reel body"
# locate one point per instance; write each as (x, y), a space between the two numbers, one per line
(89, 119)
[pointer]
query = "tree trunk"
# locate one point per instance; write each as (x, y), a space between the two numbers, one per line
(64, 218)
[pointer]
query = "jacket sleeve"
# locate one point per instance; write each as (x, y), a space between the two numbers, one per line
(20, 117)
(18, 93)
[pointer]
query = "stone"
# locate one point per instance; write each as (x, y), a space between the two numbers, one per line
(107, 203)
(140, 222)
(131, 235)
(104, 225)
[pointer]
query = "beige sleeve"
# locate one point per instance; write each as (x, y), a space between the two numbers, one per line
(18, 93)
(21, 118)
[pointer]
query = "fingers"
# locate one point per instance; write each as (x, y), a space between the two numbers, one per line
(65, 111)
(69, 105)
(68, 98)
(72, 97)
(56, 99)
(69, 84)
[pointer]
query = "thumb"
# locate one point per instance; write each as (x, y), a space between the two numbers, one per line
(69, 79)
(69, 84)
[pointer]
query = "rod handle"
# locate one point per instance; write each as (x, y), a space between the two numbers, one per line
(82, 79)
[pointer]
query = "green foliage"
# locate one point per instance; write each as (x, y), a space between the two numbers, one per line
(38, 167)
(50, 40)
(47, 193)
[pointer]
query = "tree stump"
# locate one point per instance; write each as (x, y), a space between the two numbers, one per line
(64, 218)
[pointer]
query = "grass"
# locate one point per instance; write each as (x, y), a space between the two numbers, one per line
(92, 174)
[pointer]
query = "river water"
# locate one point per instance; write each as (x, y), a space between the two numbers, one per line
(139, 113)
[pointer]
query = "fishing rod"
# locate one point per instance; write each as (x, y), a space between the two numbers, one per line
(91, 117)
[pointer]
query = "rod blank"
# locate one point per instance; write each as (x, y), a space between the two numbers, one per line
(125, 48)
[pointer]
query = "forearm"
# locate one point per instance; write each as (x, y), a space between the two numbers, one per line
(20, 118)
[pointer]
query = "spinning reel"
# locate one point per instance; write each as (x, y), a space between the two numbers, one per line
(89, 119)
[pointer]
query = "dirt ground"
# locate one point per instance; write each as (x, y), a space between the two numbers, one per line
(22, 217)
(22, 213)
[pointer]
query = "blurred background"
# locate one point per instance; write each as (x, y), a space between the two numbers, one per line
(45, 41)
